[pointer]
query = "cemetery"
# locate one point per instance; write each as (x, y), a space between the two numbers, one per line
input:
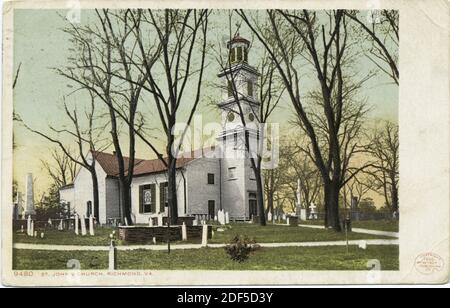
(197, 242)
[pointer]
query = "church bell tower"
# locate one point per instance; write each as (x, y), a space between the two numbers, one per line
(239, 109)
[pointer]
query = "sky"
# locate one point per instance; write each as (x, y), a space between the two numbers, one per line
(40, 45)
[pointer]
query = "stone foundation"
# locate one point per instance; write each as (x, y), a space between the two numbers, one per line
(145, 234)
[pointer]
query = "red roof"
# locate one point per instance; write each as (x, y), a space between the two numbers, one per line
(141, 166)
(238, 39)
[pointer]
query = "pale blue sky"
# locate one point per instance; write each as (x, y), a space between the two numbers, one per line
(39, 44)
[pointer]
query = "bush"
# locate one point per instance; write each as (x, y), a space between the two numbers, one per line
(240, 248)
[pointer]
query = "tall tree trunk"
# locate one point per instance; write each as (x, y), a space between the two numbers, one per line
(394, 193)
(95, 192)
(260, 197)
(332, 205)
(269, 202)
(172, 190)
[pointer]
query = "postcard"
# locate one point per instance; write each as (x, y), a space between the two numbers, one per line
(225, 143)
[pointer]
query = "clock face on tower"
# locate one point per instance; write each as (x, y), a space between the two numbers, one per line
(230, 116)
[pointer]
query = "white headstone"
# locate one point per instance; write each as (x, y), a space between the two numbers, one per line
(42, 234)
(77, 221)
(150, 222)
(126, 221)
(160, 220)
(284, 216)
(32, 228)
(112, 257)
(154, 240)
(21, 229)
(205, 235)
(363, 245)
(35, 233)
(83, 226)
(227, 218)
(221, 217)
(29, 208)
(183, 232)
(60, 226)
(312, 213)
(287, 221)
(194, 222)
(29, 225)
(49, 222)
(91, 226)
(269, 216)
(215, 218)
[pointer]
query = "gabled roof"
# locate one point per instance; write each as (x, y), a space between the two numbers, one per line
(109, 164)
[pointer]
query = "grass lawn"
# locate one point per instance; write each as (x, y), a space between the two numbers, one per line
(285, 258)
(380, 225)
(282, 234)
(56, 237)
(268, 234)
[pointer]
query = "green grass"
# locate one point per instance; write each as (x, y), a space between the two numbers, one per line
(268, 234)
(55, 237)
(284, 258)
(380, 225)
(283, 234)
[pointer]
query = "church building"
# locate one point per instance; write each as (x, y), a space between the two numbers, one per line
(205, 183)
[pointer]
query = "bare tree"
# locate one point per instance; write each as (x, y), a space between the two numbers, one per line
(61, 169)
(333, 133)
(382, 30)
(385, 171)
(101, 62)
(75, 139)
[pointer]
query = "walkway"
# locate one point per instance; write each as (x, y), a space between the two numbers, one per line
(359, 230)
(197, 246)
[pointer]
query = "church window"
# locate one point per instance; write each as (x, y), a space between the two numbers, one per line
(211, 178)
(249, 88)
(163, 196)
(232, 55)
(239, 54)
(232, 173)
(147, 198)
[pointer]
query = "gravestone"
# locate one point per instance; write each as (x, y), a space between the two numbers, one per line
(29, 207)
(195, 223)
(227, 218)
(215, 218)
(91, 226)
(112, 258)
(32, 228)
(183, 232)
(221, 217)
(312, 213)
(77, 221)
(60, 226)
(29, 225)
(42, 235)
(298, 208)
(362, 245)
(269, 216)
(150, 222)
(204, 235)
(160, 220)
(83, 226)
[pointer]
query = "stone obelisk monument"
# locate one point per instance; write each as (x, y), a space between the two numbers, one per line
(29, 205)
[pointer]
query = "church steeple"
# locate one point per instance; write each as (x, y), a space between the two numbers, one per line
(239, 80)
(238, 49)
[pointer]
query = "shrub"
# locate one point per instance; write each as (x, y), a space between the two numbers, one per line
(240, 248)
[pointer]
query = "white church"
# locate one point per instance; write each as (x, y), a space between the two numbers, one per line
(205, 184)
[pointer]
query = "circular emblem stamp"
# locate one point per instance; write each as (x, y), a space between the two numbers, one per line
(429, 263)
